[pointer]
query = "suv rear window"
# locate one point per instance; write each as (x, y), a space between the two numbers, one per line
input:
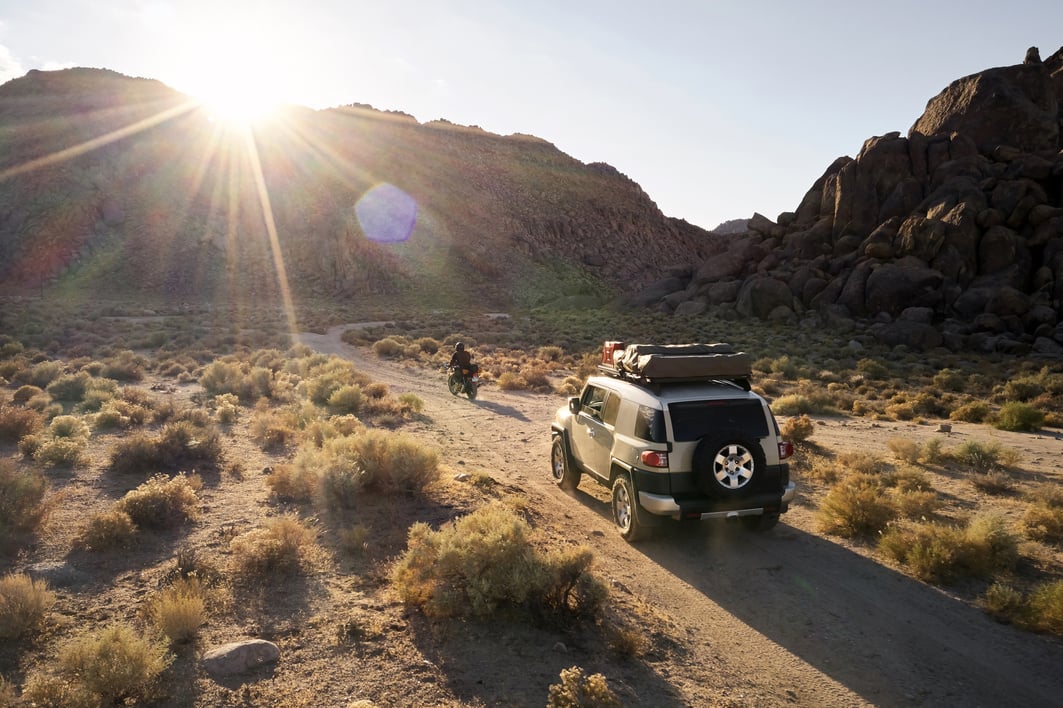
(692, 420)
(649, 425)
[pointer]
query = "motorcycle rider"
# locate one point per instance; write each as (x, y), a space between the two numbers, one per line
(463, 360)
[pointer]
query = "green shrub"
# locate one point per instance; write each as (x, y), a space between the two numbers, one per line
(68, 426)
(1046, 607)
(983, 457)
(24, 602)
(483, 564)
(941, 553)
(950, 380)
(40, 374)
(126, 366)
(389, 347)
(1017, 416)
(872, 369)
(1024, 389)
(1043, 521)
(411, 402)
(69, 388)
(162, 502)
(579, 691)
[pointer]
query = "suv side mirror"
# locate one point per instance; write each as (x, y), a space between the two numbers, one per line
(573, 405)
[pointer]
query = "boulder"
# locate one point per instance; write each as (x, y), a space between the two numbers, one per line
(731, 262)
(905, 283)
(240, 657)
(760, 295)
(1013, 105)
(914, 335)
(691, 308)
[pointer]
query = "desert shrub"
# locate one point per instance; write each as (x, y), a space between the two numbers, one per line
(1043, 521)
(856, 506)
(1017, 416)
(113, 665)
(993, 482)
(107, 530)
(40, 374)
(950, 380)
(510, 381)
(577, 690)
(69, 388)
(354, 539)
(24, 602)
(126, 366)
(935, 552)
(1004, 602)
(411, 402)
(25, 393)
(391, 462)
(389, 347)
(872, 369)
(983, 457)
(181, 445)
(68, 426)
(428, 345)
(483, 563)
(281, 548)
(798, 429)
(802, 404)
(22, 505)
(973, 412)
(273, 431)
(1046, 607)
(376, 390)
(550, 353)
(933, 452)
(346, 399)
(297, 482)
(16, 422)
(179, 610)
(162, 502)
(1022, 389)
(60, 451)
(904, 449)
(226, 408)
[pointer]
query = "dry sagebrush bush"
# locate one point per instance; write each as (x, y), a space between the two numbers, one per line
(162, 502)
(182, 445)
(798, 429)
(392, 462)
(298, 481)
(1043, 518)
(936, 552)
(112, 666)
(577, 690)
(856, 506)
(107, 530)
(22, 501)
(483, 563)
(178, 611)
(282, 547)
(24, 603)
(16, 422)
(972, 412)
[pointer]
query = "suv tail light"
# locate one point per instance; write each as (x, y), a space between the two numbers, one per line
(654, 458)
(786, 450)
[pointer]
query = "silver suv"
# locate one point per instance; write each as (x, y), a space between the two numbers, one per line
(687, 446)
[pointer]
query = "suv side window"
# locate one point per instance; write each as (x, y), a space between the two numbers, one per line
(649, 424)
(612, 407)
(594, 401)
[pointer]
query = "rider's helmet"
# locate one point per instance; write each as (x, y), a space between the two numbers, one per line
(460, 346)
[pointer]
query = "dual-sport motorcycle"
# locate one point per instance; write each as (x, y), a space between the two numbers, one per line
(465, 381)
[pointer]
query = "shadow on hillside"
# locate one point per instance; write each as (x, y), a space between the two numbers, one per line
(883, 635)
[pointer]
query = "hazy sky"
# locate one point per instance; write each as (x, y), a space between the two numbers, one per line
(717, 108)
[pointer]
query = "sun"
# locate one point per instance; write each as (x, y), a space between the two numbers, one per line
(237, 100)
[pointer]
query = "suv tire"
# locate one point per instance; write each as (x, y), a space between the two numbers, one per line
(728, 464)
(626, 509)
(564, 472)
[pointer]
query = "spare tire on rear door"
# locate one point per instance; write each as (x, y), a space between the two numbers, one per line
(728, 464)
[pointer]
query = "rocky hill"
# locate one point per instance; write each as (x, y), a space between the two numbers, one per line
(116, 184)
(951, 235)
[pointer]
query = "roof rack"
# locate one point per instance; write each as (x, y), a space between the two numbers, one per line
(656, 383)
(657, 364)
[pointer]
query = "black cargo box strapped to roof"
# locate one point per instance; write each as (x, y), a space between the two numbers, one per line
(660, 363)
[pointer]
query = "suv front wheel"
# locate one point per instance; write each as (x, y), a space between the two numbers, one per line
(727, 464)
(626, 509)
(564, 472)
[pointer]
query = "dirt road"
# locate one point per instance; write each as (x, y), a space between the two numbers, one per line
(787, 617)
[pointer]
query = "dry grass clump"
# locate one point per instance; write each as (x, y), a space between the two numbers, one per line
(578, 690)
(112, 666)
(40, 374)
(180, 609)
(125, 366)
(871, 494)
(346, 399)
(273, 430)
(484, 563)
(1040, 609)
(24, 603)
(393, 462)
(283, 547)
(938, 552)
(107, 530)
(971, 412)
(1043, 519)
(984, 456)
(16, 422)
(61, 444)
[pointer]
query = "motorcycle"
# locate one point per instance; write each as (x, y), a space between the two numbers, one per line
(465, 381)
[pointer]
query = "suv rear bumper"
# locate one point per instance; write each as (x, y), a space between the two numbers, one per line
(665, 505)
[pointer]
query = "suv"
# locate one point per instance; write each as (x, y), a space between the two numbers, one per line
(674, 434)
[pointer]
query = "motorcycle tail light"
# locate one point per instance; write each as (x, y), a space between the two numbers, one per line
(786, 450)
(654, 458)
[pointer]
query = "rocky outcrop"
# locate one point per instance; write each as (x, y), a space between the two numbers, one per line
(961, 221)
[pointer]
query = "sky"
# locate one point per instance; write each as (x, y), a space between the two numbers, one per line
(717, 108)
